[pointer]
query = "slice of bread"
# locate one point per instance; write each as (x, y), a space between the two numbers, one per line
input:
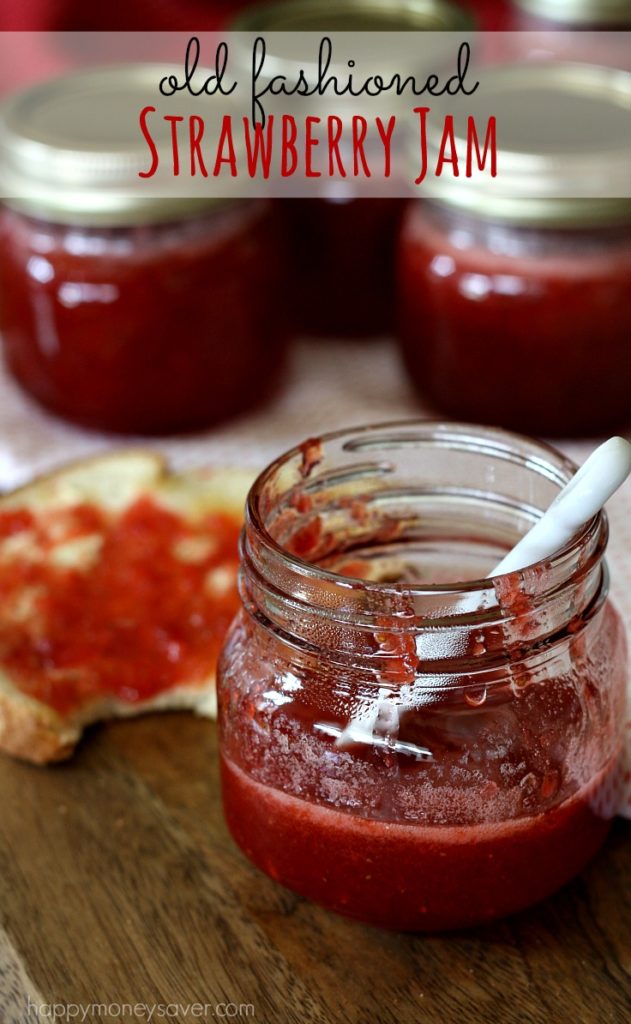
(117, 582)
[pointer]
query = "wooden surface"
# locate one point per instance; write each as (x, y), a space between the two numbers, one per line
(120, 884)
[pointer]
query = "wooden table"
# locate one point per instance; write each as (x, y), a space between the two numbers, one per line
(120, 884)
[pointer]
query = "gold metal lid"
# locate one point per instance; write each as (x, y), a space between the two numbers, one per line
(579, 12)
(562, 130)
(354, 16)
(71, 149)
(286, 24)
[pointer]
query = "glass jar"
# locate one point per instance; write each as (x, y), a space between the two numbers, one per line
(409, 751)
(121, 309)
(343, 265)
(148, 328)
(513, 324)
(493, 15)
(342, 245)
(513, 292)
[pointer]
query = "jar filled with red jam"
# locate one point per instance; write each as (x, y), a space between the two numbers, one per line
(514, 308)
(343, 245)
(402, 739)
(118, 310)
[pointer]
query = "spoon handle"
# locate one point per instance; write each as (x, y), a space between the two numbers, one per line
(599, 477)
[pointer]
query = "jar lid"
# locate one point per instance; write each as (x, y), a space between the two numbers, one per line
(71, 149)
(579, 12)
(354, 16)
(563, 131)
(288, 52)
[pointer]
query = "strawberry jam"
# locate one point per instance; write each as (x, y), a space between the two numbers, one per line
(147, 328)
(506, 324)
(127, 607)
(343, 264)
(385, 752)
(408, 876)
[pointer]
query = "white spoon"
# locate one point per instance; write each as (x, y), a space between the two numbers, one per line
(583, 497)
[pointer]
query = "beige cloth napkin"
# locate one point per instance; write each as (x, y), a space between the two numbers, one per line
(327, 385)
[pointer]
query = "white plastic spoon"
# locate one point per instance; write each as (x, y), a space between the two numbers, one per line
(583, 497)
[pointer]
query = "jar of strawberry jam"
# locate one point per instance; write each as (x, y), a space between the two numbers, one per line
(403, 740)
(514, 306)
(343, 245)
(123, 310)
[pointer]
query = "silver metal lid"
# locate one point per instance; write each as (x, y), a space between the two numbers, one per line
(71, 149)
(354, 16)
(561, 128)
(580, 12)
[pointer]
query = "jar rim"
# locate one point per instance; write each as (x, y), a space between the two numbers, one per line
(559, 469)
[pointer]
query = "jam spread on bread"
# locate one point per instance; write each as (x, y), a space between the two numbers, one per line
(96, 605)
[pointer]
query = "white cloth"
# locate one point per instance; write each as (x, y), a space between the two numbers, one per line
(327, 385)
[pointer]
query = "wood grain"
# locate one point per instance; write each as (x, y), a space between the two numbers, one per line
(120, 884)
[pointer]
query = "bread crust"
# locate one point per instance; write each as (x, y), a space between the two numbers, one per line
(20, 495)
(35, 732)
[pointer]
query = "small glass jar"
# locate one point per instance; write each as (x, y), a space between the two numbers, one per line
(409, 751)
(343, 266)
(146, 328)
(513, 293)
(119, 309)
(526, 327)
(342, 245)
(493, 15)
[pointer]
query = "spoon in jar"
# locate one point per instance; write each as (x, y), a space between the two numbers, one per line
(580, 500)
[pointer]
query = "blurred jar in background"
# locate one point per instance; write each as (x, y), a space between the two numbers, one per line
(127, 313)
(572, 14)
(343, 246)
(576, 30)
(343, 263)
(514, 310)
(493, 15)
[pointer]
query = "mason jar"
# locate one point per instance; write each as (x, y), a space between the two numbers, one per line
(513, 306)
(122, 309)
(342, 244)
(404, 740)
